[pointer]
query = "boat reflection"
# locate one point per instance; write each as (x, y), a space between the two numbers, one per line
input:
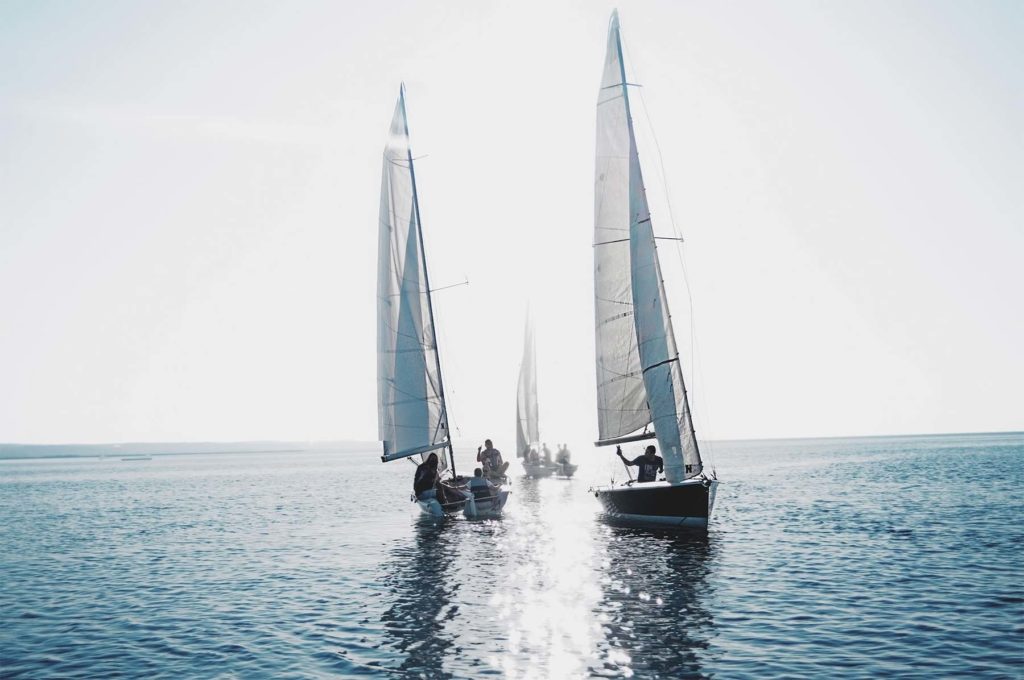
(418, 579)
(654, 610)
(548, 592)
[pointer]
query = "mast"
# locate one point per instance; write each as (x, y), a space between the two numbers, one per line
(426, 279)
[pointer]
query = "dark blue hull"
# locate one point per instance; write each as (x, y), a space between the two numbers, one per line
(683, 505)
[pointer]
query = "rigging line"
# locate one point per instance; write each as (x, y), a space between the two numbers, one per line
(608, 87)
(681, 257)
(453, 285)
(682, 261)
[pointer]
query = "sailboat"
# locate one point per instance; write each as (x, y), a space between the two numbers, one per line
(411, 408)
(640, 390)
(527, 415)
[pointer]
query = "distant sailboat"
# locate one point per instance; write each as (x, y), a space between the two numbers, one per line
(411, 408)
(527, 413)
(640, 389)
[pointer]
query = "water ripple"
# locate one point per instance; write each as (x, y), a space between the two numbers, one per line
(856, 558)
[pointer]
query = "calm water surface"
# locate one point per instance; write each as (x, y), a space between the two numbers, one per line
(825, 558)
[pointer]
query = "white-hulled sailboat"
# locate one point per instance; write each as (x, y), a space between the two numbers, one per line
(640, 389)
(412, 414)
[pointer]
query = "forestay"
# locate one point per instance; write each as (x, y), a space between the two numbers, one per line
(527, 417)
(410, 404)
(639, 379)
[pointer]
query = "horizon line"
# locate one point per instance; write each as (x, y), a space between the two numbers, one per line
(196, 442)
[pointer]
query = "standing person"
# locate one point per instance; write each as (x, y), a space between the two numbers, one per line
(563, 456)
(491, 459)
(650, 464)
(547, 452)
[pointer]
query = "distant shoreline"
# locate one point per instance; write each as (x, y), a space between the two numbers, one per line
(138, 456)
(43, 451)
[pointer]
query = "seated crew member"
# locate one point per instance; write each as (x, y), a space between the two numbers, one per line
(650, 464)
(491, 459)
(480, 487)
(427, 483)
(426, 479)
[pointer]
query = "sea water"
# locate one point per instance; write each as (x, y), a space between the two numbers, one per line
(873, 557)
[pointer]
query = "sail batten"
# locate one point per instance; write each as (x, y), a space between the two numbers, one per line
(412, 417)
(639, 378)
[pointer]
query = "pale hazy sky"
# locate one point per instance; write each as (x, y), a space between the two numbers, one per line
(189, 196)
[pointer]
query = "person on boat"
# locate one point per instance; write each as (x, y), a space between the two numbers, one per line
(563, 456)
(426, 478)
(427, 483)
(480, 487)
(650, 464)
(547, 452)
(534, 457)
(491, 459)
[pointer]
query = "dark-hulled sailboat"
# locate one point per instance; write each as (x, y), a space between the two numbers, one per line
(640, 389)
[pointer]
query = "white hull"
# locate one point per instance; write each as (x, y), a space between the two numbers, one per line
(565, 471)
(484, 509)
(433, 508)
(539, 470)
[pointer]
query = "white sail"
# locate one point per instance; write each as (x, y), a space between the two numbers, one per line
(527, 418)
(410, 403)
(639, 379)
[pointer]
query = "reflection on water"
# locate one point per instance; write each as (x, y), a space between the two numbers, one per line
(548, 592)
(418, 578)
(654, 609)
(549, 550)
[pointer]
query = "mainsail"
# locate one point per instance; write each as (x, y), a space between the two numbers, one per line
(410, 396)
(639, 379)
(527, 420)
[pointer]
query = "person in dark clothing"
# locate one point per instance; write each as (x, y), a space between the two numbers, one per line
(426, 477)
(427, 483)
(650, 464)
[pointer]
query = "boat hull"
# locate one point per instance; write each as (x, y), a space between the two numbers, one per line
(684, 505)
(430, 505)
(565, 470)
(539, 470)
(477, 508)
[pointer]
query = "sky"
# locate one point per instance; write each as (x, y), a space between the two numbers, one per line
(189, 196)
